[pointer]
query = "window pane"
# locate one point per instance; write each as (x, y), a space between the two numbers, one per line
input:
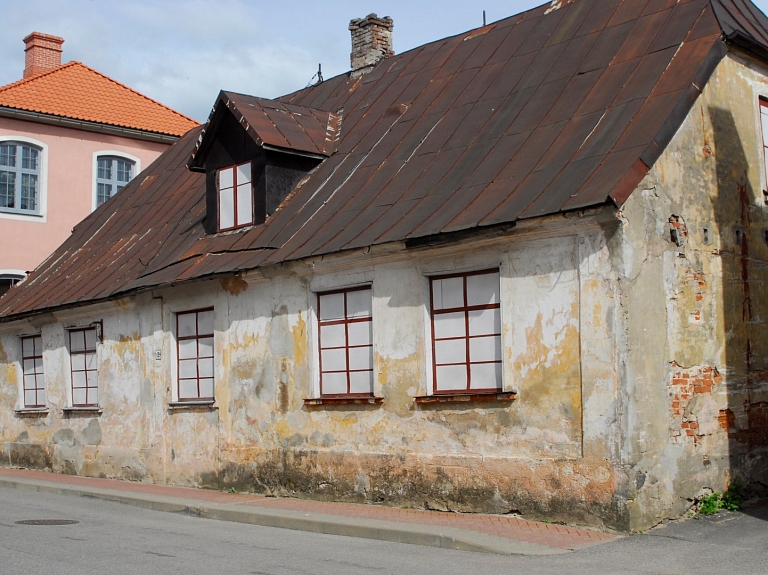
(244, 205)
(29, 366)
(359, 303)
(332, 306)
(7, 189)
(361, 358)
(28, 192)
(360, 333)
(485, 348)
(8, 155)
(243, 174)
(206, 367)
(188, 368)
(205, 347)
(78, 396)
(90, 339)
(332, 335)
(448, 293)
(334, 359)
(764, 118)
(334, 383)
(28, 158)
(93, 395)
(187, 324)
(78, 362)
(205, 322)
(30, 382)
(451, 351)
(76, 341)
(361, 382)
(451, 377)
(38, 345)
(41, 396)
(188, 349)
(30, 398)
(486, 376)
(225, 178)
(78, 379)
(92, 378)
(104, 168)
(28, 346)
(485, 321)
(38, 365)
(124, 171)
(226, 209)
(483, 289)
(206, 388)
(188, 389)
(103, 193)
(450, 325)
(90, 361)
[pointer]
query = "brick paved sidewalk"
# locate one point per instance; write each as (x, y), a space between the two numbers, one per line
(532, 535)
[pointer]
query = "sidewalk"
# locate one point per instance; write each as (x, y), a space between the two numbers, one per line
(470, 532)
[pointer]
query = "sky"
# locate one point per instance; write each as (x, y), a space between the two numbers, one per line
(182, 53)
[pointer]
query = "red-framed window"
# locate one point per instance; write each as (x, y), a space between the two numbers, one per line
(32, 365)
(85, 376)
(194, 338)
(345, 322)
(235, 197)
(466, 332)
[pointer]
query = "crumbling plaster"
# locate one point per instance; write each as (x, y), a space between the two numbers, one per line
(691, 258)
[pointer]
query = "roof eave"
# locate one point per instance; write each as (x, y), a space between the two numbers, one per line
(40, 118)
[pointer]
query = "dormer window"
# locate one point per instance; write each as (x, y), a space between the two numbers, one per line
(235, 197)
(254, 152)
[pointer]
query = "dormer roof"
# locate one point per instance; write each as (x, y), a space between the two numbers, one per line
(281, 126)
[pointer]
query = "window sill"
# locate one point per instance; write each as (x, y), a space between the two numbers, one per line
(467, 397)
(32, 412)
(95, 409)
(192, 405)
(343, 400)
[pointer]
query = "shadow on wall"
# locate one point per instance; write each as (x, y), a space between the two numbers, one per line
(741, 221)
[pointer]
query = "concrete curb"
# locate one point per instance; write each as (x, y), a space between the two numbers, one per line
(411, 533)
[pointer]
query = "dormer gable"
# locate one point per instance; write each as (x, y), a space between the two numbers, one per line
(254, 152)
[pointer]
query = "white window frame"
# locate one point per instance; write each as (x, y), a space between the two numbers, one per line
(41, 216)
(432, 388)
(346, 321)
(237, 223)
(95, 173)
(20, 274)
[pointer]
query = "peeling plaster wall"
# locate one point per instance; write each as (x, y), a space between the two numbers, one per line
(691, 258)
(550, 453)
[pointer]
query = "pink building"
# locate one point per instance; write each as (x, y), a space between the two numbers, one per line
(70, 138)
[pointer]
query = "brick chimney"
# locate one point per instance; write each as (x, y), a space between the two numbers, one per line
(43, 53)
(371, 41)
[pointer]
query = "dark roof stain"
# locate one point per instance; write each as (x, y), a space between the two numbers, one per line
(547, 111)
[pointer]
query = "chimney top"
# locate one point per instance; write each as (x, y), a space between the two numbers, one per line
(43, 53)
(371, 41)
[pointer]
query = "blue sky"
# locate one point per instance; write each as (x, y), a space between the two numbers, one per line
(183, 52)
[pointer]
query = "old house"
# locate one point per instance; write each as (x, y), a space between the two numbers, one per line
(518, 269)
(70, 138)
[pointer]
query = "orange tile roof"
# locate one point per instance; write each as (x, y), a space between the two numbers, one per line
(76, 91)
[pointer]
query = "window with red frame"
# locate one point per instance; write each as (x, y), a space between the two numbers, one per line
(85, 376)
(466, 332)
(194, 337)
(235, 197)
(32, 365)
(346, 342)
(764, 131)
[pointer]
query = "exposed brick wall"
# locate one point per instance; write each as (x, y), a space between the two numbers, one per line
(684, 386)
(42, 53)
(755, 433)
(371, 41)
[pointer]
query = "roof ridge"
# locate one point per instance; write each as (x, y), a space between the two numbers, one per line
(38, 76)
(132, 90)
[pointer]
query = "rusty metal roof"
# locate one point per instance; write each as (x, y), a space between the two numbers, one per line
(555, 109)
(280, 125)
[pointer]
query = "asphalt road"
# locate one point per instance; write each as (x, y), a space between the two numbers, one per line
(119, 539)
